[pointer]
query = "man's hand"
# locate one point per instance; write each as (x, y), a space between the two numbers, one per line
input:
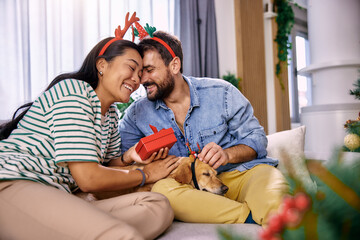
(160, 169)
(214, 155)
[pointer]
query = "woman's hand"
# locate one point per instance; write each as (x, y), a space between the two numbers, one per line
(160, 169)
(131, 156)
(93, 177)
(134, 156)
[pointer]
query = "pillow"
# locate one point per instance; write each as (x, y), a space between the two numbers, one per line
(288, 147)
(290, 142)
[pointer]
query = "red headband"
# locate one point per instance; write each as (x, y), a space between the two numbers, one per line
(119, 33)
(165, 45)
(142, 32)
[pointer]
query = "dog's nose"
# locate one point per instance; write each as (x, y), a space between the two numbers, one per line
(224, 189)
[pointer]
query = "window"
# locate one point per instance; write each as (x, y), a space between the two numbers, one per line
(303, 82)
(42, 39)
(300, 86)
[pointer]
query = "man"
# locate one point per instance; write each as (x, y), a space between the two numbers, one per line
(215, 115)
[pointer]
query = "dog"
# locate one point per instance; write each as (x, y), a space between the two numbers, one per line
(204, 179)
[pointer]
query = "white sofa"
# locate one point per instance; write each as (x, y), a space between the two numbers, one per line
(291, 143)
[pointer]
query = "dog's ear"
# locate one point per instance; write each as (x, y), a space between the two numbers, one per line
(183, 173)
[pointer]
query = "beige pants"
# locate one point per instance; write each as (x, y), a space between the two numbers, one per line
(30, 210)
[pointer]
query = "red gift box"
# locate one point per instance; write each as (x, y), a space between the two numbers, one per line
(154, 142)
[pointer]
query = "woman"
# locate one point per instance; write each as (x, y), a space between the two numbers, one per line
(63, 142)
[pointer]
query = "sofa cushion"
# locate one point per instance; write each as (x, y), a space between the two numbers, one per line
(207, 231)
(289, 143)
(292, 141)
(288, 147)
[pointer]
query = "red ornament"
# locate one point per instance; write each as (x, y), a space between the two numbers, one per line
(292, 215)
(302, 201)
(265, 234)
(289, 202)
(275, 238)
(276, 223)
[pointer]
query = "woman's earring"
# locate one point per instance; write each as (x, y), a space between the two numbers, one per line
(101, 73)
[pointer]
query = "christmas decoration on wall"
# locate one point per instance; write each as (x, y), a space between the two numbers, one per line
(285, 21)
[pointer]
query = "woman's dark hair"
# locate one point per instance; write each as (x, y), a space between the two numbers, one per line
(87, 73)
(173, 42)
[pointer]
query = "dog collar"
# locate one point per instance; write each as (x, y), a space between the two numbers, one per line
(193, 174)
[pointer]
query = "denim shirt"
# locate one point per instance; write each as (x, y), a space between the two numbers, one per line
(218, 113)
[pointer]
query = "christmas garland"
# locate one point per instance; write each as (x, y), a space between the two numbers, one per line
(285, 21)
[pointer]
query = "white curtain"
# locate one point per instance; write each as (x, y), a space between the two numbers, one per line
(40, 39)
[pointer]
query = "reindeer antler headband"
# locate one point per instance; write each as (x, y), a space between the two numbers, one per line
(142, 32)
(120, 33)
(139, 31)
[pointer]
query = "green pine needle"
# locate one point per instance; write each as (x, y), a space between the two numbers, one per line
(356, 91)
(285, 20)
(231, 78)
(123, 106)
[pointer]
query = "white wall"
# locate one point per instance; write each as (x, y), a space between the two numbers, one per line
(269, 67)
(334, 40)
(225, 24)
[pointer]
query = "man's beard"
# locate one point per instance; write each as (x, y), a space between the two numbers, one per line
(164, 89)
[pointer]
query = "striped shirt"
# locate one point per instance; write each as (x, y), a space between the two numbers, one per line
(63, 125)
